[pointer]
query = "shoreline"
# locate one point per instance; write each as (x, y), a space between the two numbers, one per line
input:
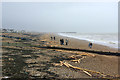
(83, 44)
(89, 40)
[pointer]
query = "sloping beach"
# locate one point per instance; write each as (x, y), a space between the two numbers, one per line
(40, 57)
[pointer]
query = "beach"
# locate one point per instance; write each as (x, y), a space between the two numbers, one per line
(83, 44)
(40, 57)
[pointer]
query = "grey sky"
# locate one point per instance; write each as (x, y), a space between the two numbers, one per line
(61, 17)
(60, 0)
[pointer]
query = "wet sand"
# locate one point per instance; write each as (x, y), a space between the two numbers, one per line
(83, 44)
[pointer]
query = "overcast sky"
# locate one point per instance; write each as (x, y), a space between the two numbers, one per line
(96, 17)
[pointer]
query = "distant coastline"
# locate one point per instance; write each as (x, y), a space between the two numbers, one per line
(68, 32)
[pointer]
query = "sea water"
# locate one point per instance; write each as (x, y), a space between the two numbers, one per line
(107, 39)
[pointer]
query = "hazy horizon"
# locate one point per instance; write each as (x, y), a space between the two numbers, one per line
(82, 17)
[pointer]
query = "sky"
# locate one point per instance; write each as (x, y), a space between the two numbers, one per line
(83, 17)
(60, 0)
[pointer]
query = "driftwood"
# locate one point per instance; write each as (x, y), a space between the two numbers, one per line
(77, 58)
(70, 66)
(86, 71)
(81, 55)
(76, 61)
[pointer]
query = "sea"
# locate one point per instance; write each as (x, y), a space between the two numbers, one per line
(106, 39)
